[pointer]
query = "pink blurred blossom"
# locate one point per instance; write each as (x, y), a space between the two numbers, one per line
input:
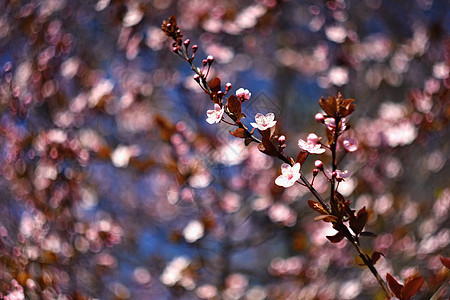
(350, 145)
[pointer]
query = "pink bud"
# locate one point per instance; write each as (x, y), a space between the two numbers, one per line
(334, 174)
(187, 42)
(318, 164)
(315, 172)
(204, 62)
(210, 59)
(181, 126)
(312, 139)
(197, 78)
(175, 49)
(227, 86)
(320, 118)
(194, 48)
(282, 139)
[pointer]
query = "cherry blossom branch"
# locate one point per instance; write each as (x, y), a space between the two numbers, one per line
(336, 109)
(367, 260)
(340, 226)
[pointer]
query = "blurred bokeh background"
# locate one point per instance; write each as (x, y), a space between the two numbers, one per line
(113, 186)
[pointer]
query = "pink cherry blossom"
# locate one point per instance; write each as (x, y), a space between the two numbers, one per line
(340, 175)
(312, 139)
(350, 145)
(264, 122)
(289, 175)
(214, 115)
(243, 94)
(343, 174)
(311, 145)
(331, 124)
(320, 118)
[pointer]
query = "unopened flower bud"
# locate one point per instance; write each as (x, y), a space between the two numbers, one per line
(175, 49)
(168, 25)
(319, 164)
(220, 94)
(334, 174)
(320, 118)
(187, 42)
(210, 59)
(204, 62)
(197, 78)
(312, 139)
(194, 48)
(227, 86)
(282, 139)
(315, 172)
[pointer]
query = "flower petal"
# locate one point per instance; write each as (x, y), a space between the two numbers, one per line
(270, 117)
(285, 169)
(296, 169)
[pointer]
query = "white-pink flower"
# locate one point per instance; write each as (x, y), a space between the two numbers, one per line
(340, 175)
(343, 174)
(214, 115)
(264, 122)
(311, 145)
(289, 175)
(350, 145)
(331, 124)
(243, 94)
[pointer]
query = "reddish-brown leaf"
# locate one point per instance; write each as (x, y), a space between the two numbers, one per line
(346, 108)
(335, 238)
(272, 131)
(240, 133)
(326, 218)
(267, 147)
(214, 85)
(330, 136)
(339, 204)
(327, 106)
(395, 287)
(357, 224)
(264, 133)
(412, 286)
(317, 207)
(247, 141)
(234, 107)
(368, 234)
(301, 157)
(339, 197)
(446, 262)
(376, 256)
